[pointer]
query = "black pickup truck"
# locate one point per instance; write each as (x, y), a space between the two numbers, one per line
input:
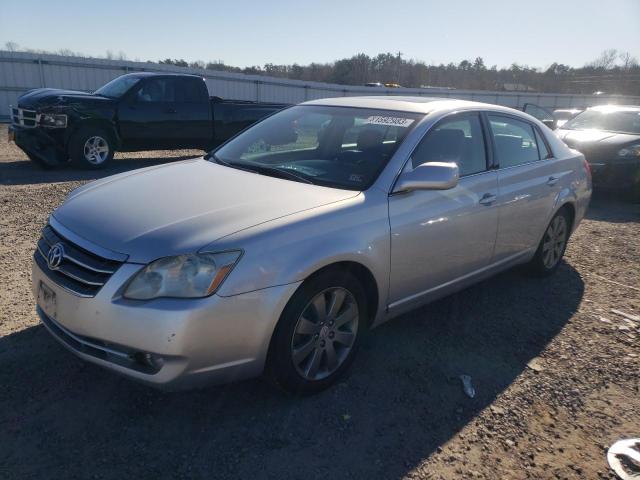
(137, 111)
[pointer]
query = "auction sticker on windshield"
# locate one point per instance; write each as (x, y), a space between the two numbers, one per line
(391, 121)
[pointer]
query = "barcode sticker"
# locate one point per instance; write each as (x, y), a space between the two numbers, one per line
(391, 121)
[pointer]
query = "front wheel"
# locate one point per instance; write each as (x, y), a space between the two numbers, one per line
(552, 246)
(318, 333)
(91, 148)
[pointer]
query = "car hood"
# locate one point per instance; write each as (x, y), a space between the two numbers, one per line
(576, 138)
(49, 97)
(182, 207)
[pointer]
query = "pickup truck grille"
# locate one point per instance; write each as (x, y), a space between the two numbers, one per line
(80, 272)
(24, 118)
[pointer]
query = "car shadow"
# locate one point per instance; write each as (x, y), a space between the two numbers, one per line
(28, 173)
(613, 207)
(402, 399)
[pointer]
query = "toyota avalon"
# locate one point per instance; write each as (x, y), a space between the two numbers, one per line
(274, 253)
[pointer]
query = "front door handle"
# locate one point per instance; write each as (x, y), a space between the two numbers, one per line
(487, 199)
(171, 110)
(552, 181)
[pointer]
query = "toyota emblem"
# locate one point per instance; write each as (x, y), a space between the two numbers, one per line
(55, 256)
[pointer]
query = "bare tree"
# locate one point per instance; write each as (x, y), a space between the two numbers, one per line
(11, 46)
(606, 60)
(628, 61)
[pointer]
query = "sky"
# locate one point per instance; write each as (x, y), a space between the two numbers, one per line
(243, 33)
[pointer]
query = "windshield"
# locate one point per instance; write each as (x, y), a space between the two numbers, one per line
(619, 121)
(117, 87)
(340, 147)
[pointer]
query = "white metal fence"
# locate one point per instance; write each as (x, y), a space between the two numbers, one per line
(23, 71)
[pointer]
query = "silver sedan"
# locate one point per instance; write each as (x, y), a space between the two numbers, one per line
(275, 252)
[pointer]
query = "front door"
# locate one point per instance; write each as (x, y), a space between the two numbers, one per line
(440, 237)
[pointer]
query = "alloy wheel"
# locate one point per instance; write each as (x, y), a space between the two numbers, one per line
(96, 150)
(555, 239)
(325, 333)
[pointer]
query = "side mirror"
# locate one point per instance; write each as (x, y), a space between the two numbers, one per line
(551, 123)
(429, 176)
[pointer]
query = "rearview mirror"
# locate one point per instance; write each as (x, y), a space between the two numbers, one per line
(429, 176)
(552, 124)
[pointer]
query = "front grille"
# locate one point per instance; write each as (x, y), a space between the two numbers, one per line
(24, 118)
(80, 272)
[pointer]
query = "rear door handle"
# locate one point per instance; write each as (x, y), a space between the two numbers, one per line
(487, 199)
(552, 181)
(171, 110)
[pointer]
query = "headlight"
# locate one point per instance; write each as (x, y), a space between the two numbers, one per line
(52, 120)
(630, 151)
(184, 276)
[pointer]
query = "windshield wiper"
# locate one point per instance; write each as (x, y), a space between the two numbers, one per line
(279, 172)
(262, 169)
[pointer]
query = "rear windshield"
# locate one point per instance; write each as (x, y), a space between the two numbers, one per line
(619, 121)
(340, 147)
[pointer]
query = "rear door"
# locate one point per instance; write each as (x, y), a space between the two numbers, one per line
(438, 237)
(528, 184)
(193, 109)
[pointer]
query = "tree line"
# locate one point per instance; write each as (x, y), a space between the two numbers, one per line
(612, 72)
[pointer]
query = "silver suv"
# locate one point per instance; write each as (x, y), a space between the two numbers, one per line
(277, 250)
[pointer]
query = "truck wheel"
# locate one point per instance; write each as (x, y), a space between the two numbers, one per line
(552, 245)
(91, 148)
(318, 334)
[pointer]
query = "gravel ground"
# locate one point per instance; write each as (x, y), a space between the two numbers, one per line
(554, 368)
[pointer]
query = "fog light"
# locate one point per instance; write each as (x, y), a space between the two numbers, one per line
(148, 360)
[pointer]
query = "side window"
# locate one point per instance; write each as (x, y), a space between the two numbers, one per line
(458, 140)
(537, 112)
(514, 140)
(156, 90)
(190, 90)
(542, 146)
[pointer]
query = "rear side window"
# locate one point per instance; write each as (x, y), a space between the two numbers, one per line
(190, 90)
(542, 146)
(514, 140)
(458, 139)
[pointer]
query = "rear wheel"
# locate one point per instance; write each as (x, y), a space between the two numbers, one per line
(91, 148)
(553, 245)
(318, 333)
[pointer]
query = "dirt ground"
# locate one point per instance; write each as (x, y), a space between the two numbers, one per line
(401, 411)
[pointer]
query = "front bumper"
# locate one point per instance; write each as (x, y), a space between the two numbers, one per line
(47, 145)
(169, 343)
(618, 173)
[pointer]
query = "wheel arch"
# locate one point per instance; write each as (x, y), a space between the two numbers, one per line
(364, 276)
(96, 123)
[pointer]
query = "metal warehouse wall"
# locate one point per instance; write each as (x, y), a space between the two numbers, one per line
(22, 71)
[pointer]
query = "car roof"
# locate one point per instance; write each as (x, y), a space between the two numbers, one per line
(422, 105)
(160, 74)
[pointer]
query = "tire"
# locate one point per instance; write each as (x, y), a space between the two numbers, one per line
(310, 351)
(91, 148)
(553, 245)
